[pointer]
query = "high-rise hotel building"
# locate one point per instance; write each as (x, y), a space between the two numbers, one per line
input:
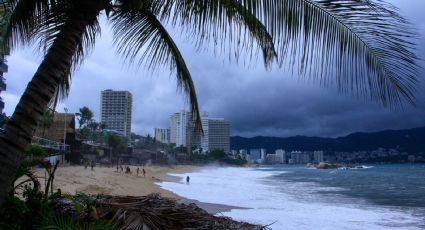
(216, 134)
(180, 125)
(162, 135)
(115, 108)
(182, 130)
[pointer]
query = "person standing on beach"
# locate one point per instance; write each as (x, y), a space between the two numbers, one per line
(187, 179)
(91, 165)
(137, 171)
(144, 172)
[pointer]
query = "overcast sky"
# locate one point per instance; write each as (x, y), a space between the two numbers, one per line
(255, 101)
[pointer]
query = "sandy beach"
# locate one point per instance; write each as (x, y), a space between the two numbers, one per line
(104, 180)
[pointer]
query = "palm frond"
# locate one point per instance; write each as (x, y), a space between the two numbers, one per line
(25, 20)
(139, 32)
(225, 23)
(62, 91)
(59, 14)
(42, 20)
(57, 19)
(53, 221)
(363, 46)
(147, 212)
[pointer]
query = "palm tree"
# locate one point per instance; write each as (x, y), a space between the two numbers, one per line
(103, 125)
(84, 116)
(362, 47)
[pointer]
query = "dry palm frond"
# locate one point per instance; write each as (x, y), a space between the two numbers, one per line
(149, 212)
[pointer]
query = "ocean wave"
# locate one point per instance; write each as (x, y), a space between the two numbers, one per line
(288, 205)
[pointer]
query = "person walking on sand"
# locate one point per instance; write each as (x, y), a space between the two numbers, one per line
(144, 172)
(91, 165)
(137, 171)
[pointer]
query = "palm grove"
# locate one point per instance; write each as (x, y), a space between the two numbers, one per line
(363, 47)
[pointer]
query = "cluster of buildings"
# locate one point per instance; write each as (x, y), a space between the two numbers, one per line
(182, 133)
(378, 155)
(280, 156)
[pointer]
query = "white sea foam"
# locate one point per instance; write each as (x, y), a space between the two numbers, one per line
(288, 205)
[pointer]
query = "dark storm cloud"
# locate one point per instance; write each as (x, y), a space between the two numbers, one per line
(255, 101)
(270, 103)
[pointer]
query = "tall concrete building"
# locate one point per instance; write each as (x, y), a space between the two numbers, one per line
(179, 124)
(182, 130)
(162, 135)
(257, 155)
(280, 156)
(216, 134)
(115, 108)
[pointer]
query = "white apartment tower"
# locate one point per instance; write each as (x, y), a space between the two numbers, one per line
(179, 125)
(216, 134)
(162, 135)
(115, 109)
(280, 156)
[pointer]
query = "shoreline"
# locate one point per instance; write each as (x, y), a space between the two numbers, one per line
(106, 180)
(211, 208)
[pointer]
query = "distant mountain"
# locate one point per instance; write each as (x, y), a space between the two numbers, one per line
(408, 140)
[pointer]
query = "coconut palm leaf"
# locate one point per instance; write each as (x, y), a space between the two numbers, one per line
(225, 22)
(362, 46)
(26, 18)
(56, 20)
(136, 20)
(42, 20)
(140, 32)
(59, 222)
(146, 212)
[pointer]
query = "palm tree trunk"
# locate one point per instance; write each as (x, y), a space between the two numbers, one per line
(39, 92)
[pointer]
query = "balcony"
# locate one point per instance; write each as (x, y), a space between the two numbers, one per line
(3, 68)
(2, 84)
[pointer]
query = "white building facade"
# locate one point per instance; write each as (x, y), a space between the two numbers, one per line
(257, 155)
(162, 135)
(280, 156)
(182, 130)
(116, 109)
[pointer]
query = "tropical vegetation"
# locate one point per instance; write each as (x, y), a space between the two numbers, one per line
(363, 47)
(84, 116)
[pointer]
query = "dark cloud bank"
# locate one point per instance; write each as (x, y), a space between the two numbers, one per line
(256, 102)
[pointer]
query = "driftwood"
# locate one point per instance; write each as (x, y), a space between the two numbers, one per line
(145, 212)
